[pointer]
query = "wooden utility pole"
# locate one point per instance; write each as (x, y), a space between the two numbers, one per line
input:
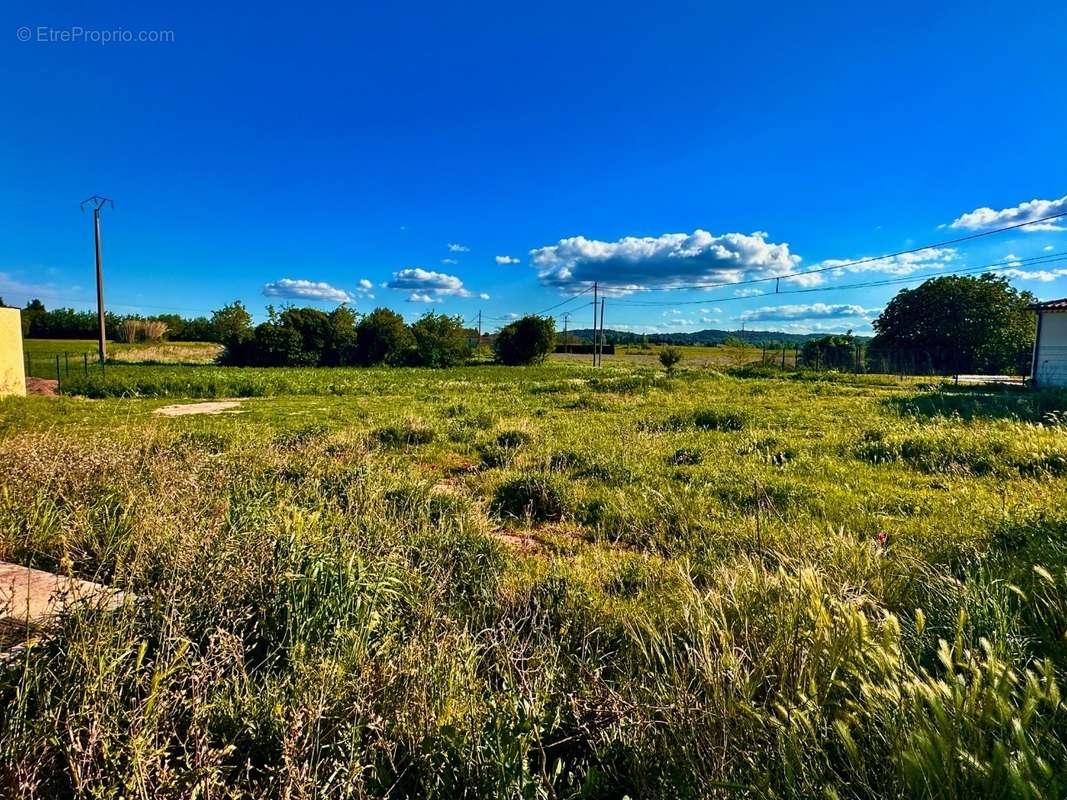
(594, 321)
(566, 344)
(600, 354)
(97, 203)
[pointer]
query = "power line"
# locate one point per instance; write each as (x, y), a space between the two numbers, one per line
(564, 302)
(858, 261)
(997, 266)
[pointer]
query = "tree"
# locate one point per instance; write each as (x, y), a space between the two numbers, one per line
(668, 357)
(232, 322)
(440, 340)
(956, 324)
(198, 329)
(341, 338)
(835, 351)
(739, 349)
(33, 310)
(525, 341)
(382, 337)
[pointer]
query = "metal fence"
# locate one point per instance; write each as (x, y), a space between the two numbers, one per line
(861, 358)
(60, 366)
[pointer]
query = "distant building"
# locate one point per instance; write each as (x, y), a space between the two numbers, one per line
(1050, 347)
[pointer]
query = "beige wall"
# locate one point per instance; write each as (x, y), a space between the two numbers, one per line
(12, 363)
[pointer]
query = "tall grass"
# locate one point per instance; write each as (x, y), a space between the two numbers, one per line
(806, 594)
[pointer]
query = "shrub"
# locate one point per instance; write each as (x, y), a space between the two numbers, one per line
(669, 357)
(525, 341)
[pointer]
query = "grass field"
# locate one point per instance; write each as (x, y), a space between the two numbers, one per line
(42, 354)
(550, 582)
(719, 356)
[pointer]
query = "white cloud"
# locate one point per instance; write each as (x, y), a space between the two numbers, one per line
(449, 261)
(904, 264)
(984, 217)
(634, 264)
(1047, 248)
(815, 326)
(483, 296)
(365, 284)
(506, 260)
(1043, 275)
(748, 292)
(814, 311)
(426, 285)
(457, 248)
(710, 320)
(306, 290)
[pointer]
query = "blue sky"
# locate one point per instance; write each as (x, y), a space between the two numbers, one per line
(481, 156)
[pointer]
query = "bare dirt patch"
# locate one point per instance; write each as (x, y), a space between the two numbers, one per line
(185, 409)
(43, 386)
(518, 542)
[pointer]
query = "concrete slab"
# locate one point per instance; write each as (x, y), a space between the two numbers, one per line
(214, 407)
(29, 598)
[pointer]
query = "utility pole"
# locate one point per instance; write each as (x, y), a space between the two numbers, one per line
(600, 355)
(594, 321)
(97, 202)
(479, 327)
(566, 345)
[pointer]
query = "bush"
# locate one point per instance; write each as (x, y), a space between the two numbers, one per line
(440, 341)
(525, 341)
(669, 357)
(383, 338)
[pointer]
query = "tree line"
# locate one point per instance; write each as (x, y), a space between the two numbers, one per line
(310, 337)
(39, 322)
(947, 325)
(314, 338)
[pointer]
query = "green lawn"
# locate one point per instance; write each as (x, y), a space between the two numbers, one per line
(543, 582)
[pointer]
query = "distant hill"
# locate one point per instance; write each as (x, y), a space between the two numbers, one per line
(710, 336)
